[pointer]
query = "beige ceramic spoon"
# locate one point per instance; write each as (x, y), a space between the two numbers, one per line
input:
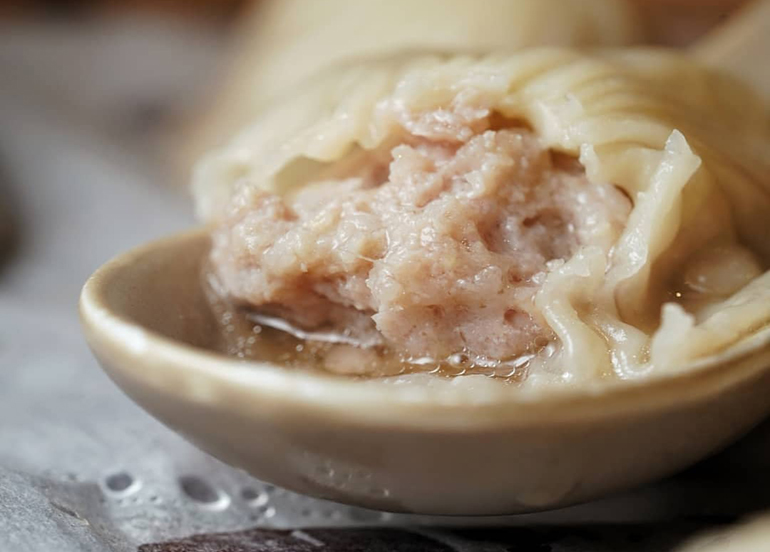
(441, 451)
(444, 450)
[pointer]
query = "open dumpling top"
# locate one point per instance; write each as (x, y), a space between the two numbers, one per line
(598, 215)
(283, 42)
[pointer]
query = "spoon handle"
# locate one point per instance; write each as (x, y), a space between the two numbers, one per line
(742, 46)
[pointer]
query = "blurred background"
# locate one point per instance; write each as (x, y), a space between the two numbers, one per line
(104, 106)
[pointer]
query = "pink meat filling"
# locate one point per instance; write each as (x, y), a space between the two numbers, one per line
(433, 247)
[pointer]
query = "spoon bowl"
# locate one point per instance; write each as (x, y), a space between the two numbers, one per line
(445, 449)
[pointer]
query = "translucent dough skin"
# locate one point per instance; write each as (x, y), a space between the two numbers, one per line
(286, 41)
(685, 144)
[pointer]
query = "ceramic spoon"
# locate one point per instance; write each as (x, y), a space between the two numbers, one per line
(446, 450)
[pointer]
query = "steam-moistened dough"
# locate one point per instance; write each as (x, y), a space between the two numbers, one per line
(285, 41)
(603, 215)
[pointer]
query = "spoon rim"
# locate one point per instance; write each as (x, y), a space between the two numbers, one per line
(110, 331)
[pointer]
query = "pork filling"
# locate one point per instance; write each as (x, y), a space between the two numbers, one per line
(432, 246)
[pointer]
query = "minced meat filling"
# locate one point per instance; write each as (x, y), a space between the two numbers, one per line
(438, 251)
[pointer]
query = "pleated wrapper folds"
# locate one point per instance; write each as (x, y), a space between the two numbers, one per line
(686, 144)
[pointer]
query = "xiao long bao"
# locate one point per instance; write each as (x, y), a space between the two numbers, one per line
(548, 217)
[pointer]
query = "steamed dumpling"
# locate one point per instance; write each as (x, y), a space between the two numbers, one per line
(603, 215)
(285, 41)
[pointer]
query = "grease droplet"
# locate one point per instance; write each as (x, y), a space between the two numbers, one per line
(202, 492)
(254, 497)
(119, 482)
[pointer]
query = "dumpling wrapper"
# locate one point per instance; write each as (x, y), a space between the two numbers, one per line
(686, 144)
(285, 41)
